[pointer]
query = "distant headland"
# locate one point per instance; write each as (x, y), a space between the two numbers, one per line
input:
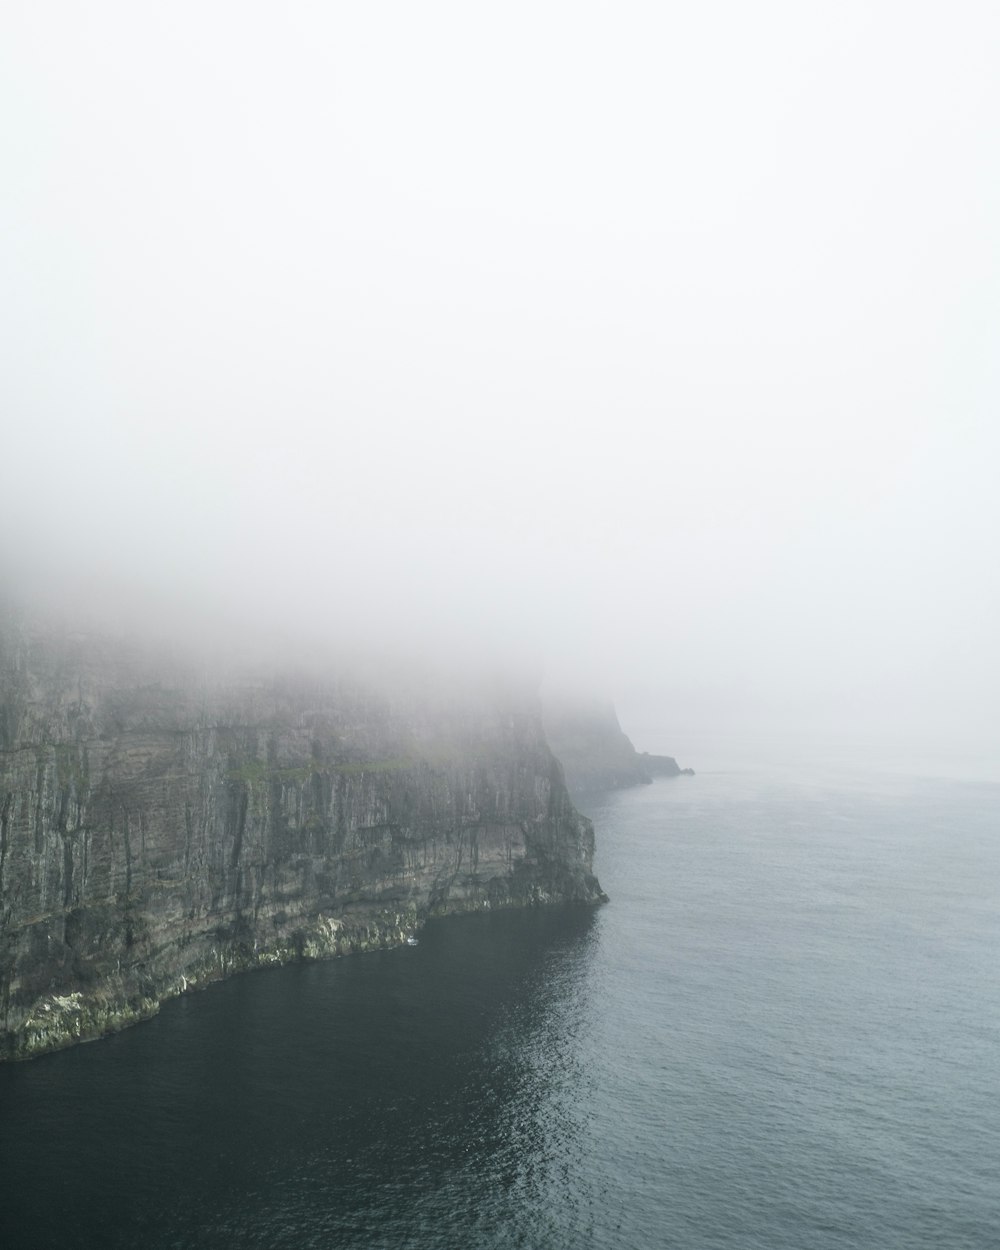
(595, 753)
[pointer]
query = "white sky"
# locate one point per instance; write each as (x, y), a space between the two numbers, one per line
(661, 339)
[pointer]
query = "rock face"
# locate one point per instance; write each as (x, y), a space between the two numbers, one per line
(594, 751)
(159, 831)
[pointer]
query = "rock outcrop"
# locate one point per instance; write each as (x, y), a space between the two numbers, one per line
(595, 752)
(160, 830)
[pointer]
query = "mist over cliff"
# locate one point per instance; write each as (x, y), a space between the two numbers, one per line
(653, 347)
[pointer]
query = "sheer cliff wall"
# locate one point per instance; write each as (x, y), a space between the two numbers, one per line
(159, 830)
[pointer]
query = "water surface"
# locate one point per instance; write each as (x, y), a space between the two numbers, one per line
(783, 1032)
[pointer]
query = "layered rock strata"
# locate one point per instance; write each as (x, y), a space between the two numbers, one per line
(159, 830)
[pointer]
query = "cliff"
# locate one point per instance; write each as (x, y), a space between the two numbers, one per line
(160, 830)
(595, 753)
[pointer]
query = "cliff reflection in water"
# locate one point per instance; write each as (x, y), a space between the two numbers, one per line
(427, 1093)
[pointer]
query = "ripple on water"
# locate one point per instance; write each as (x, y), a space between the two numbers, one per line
(783, 1032)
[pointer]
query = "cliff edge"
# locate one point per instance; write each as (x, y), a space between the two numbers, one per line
(595, 752)
(160, 830)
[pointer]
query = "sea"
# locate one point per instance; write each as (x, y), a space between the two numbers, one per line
(783, 1031)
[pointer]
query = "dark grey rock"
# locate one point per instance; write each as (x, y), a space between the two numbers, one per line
(160, 830)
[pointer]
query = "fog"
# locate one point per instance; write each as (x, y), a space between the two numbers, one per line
(654, 343)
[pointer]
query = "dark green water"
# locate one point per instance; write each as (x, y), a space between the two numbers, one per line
(783, 1032)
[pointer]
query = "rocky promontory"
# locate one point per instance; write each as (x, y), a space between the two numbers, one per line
(161, 827)
(594, 750)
